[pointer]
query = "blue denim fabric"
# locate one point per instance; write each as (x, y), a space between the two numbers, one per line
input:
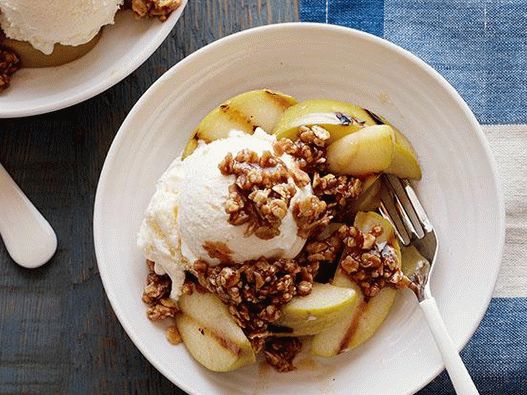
(479, 46)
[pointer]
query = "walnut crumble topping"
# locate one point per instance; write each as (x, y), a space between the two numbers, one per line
(157, 296)
(280, 351)
(309, 149)
(261, 193)
(173, 335)
(331, 193)
(256, 290)
(369, 264)
(311, 213)
(155, 8)
(9, 64)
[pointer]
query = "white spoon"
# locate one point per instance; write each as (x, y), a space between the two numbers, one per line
(27, 235)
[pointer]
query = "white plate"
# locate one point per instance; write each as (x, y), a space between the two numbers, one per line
(459, 189)
(122, 48)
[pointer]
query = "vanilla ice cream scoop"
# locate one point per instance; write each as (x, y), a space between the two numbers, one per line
(188, 211)
(44, 23)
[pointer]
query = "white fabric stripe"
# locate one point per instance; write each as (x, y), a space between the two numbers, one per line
(509, 146)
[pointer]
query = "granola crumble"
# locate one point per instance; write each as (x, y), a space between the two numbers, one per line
(157, 296)
(154, 8)
(309, 149)
(261, 193)
(280, 351)
(332, 193)
(311, 213)
(9, 64)
(370, 265)
(256, 290)
(173, 335)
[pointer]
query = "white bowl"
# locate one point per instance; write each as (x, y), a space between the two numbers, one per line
(459, 189)
(122, 48)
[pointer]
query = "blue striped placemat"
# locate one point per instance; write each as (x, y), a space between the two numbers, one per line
(480, 47)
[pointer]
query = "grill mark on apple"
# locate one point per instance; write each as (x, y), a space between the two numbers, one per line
(354, 325)
(375, 117)
(229, 345)
(278, 99)
(245, 122)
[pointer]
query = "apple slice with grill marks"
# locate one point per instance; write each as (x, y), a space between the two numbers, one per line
(245, 112)
(365, 318)
(367, 151)
(339, 118)
(405, 163)
(210, 333)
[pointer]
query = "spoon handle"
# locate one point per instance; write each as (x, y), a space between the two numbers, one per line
(27, 235)
(454, 365)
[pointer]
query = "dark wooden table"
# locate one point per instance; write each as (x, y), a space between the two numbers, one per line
(58, 333)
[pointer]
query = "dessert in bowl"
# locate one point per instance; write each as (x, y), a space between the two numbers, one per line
(257, 240)
(56, 54)
(310, 61)
(47, 34)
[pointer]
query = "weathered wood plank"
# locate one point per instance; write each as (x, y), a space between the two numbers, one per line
(57, 331)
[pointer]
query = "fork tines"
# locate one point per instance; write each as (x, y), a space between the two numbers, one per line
(400, 205)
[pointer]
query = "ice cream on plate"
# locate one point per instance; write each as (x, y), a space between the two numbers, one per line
(186, 218)
(46, 23)
(50, 33)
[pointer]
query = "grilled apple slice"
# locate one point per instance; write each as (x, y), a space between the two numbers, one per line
(321, 309)
(190, 147)
(369, 150)
(404, 163)
(339, 118)
(211, 335)
(245, 112)
(215, 352)
(360, 323)
(363, 319)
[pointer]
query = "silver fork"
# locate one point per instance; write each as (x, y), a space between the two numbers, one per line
(400, 205)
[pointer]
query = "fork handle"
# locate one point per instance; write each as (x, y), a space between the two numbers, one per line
(454, 365)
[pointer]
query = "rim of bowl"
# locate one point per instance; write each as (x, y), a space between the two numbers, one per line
(113, 79)
(299, 26)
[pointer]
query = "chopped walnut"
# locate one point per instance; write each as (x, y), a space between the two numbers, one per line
(261, 193)
(160, 312)
(256, 290)
(173, 335)
(157, 288)
(156, 296)
(309, 150)
(370, 265)
(9, 64)
(155, 8)
(280, 351)
(218, 250)
(310, 214)
(339, 188)
(332, 193)
(325, 250)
